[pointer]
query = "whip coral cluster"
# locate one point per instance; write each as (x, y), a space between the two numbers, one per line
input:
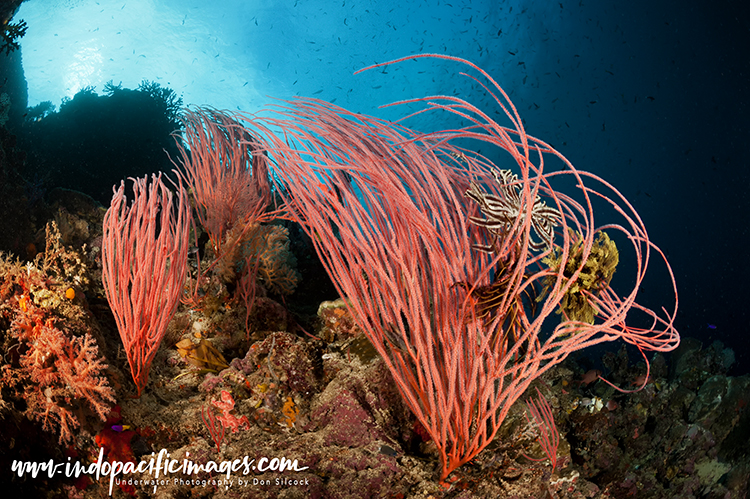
(442, 259)
(229, 180)
(228, 175)
(144, 259)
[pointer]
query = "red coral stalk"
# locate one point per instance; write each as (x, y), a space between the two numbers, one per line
(215, 430)
(549, 437)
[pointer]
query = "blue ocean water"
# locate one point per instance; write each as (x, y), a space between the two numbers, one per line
(650, 95)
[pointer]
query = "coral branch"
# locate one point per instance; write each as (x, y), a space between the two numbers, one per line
(549, 437)
(227, 419)
(215, 430)
(62, 370)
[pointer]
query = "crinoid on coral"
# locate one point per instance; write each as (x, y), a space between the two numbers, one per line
(269, 245)
(499, 300)
(507, 213)
(595, 275)
(504, 220)
(265, 247)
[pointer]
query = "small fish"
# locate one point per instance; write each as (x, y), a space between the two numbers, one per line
(120, 428)
(388, 451)
(711, 326)
(641, 380)
(590, 377)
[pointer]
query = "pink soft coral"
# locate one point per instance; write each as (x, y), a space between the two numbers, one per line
(56, 371)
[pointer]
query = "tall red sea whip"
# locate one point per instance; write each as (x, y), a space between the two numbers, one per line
(451, 264)
(144, 259)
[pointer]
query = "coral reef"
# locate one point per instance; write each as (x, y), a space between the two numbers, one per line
(4, 108)
(337, 322)
(332, 405)
(238, 377)
(260, 250)
(70, 145)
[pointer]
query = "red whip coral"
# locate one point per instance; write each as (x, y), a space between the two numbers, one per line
(442, 260)
(544, 420)
(226, 172)
(144, 260)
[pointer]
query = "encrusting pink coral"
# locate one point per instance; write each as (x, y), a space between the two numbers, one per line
(227, 419)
